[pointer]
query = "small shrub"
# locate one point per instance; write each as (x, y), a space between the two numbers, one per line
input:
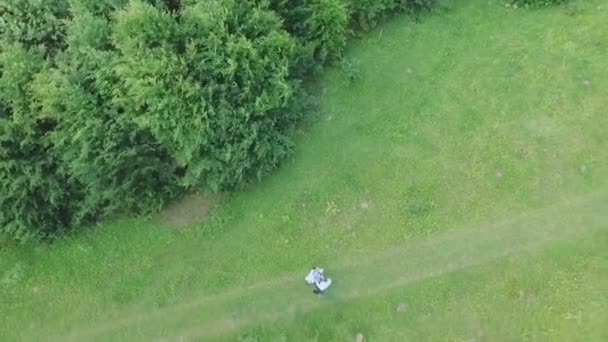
(319, 27)
(366, 14)
(351, 69)
(326, 29)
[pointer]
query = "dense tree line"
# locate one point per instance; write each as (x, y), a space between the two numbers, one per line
(121, 105)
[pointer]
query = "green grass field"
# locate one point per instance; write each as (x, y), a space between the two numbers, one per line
(457, 191)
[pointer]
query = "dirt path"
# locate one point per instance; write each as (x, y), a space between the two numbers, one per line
(418, 260)
(224, 326)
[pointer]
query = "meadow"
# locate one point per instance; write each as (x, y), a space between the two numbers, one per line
(455, 190)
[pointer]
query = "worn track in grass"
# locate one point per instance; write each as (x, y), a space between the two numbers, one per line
(418, 260)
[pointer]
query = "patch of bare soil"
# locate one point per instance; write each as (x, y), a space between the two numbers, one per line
(190, 209)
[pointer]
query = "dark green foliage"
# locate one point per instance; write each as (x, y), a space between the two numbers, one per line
(110, 106)
(537, 3)
(119, 166)
(17, 67)
(365, 14)
(102, 9)
(213, 88)
(33, 23)
(325, 29)
(319, 27)
(35, 193)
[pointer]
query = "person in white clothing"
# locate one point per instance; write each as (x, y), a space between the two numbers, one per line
(317, 279)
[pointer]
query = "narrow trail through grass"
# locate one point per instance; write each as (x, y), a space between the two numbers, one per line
(419, 260)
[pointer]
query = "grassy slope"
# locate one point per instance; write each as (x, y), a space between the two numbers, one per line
(476, 116)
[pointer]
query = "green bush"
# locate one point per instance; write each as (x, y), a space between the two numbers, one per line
(120, 167)
(110, 106)
(213, 88)
(140, 106)
(366, 14)
(36, 194)
(319, 27)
